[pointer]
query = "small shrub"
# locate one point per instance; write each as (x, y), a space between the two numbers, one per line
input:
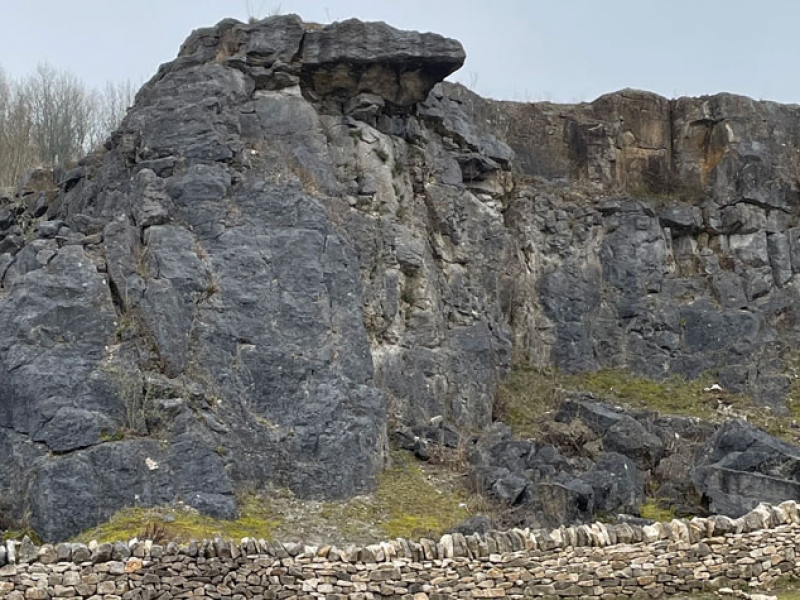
(157, 532)
(655, 511)
(116, 436)
(123, 327)
(306, 179)
(212, 286)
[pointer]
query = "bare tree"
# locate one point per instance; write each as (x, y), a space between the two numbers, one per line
(17, 150)
(51, 118)
(113, 104)
(62, 113)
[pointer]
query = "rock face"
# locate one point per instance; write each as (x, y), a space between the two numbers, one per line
(298, 235)
(600, 459)
(682, 261)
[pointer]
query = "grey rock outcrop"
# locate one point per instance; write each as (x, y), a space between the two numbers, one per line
(298, 235)
(352, 57)
(194, 308)
(611, 455)
(544, 488)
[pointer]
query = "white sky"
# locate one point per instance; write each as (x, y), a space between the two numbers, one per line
(559, 50)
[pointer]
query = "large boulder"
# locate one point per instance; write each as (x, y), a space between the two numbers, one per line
(742, 466)
(630, 438)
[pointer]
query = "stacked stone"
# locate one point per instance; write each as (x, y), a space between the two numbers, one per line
(599, 561)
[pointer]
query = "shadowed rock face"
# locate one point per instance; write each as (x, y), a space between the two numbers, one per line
(741, 466)
(297, 235)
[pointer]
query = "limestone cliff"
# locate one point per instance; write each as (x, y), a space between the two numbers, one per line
(299, 238)
(659, 234)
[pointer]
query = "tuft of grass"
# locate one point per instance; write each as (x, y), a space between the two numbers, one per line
(526, 397)
(19, 534)
(652, 510)
(673, 395)
(413, 506)
(183, 524)
(115, 436)
(405, 504)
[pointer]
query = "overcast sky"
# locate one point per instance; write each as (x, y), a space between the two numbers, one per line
(559, 50)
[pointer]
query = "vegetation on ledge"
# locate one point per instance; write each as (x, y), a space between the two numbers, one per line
(256, 519)
(411, 500)
(652, 510)
(530, 394)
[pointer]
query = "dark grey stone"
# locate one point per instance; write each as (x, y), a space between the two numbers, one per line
(630, 438)
(616, 483)
(597, 416)
(103, 553)
(779, 258)
(509, 489)
(567, 503)
(741, 466)
(480, 524)
(374, 56)
(682, 218)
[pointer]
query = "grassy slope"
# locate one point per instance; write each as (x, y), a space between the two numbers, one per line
(412, 500)
(531, 393)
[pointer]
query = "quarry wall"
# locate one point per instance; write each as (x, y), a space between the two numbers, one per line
(597, 560)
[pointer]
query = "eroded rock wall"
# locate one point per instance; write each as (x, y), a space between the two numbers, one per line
(659, 234)
(271, 254)
(296, 242)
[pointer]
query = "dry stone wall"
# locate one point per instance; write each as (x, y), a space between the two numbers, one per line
(598, 560)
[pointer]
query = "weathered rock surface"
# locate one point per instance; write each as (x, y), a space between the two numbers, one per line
(680, 262)
(298, 235)
(611, 455)
(741, 466)
(350, 58)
